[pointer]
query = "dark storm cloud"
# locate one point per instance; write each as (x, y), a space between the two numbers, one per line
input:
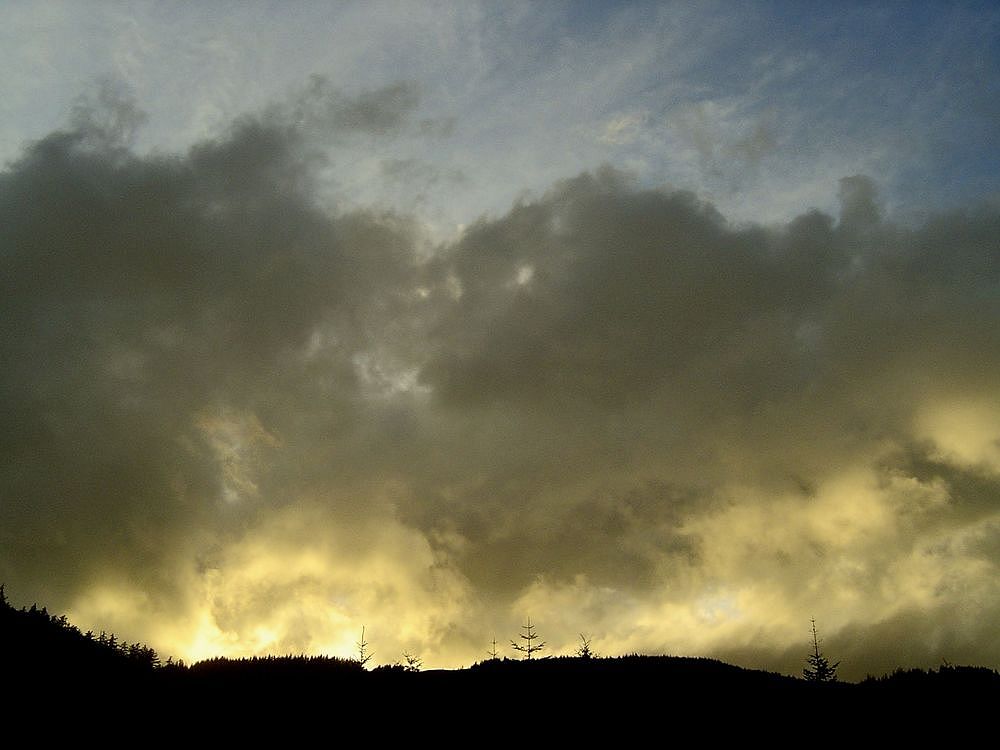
(643, 338)
(604, 293)
(786, 348)
(617, 538)
(142, 294)
(610, 397)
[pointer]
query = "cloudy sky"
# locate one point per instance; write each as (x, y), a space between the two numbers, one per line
(672, 324)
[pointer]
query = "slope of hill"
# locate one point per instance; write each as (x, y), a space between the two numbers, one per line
(32, 641)
(40, 649)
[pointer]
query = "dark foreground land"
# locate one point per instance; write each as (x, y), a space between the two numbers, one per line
(48, 668)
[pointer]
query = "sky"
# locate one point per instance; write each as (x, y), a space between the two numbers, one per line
(672, 324)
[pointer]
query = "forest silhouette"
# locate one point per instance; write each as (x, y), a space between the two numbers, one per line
(40, 650)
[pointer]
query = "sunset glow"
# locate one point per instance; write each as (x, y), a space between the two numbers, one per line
(674, 324)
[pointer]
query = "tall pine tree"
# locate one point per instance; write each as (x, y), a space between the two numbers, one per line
(819, 668)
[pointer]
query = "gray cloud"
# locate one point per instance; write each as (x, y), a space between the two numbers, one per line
(418, 173)
(142, 297)
(382, 111)
(238, 420)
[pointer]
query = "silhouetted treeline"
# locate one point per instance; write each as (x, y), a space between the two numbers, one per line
(275, 667)
(694, 673)
(945, 678)
(277, 664)
(54, 656)
(34, 641)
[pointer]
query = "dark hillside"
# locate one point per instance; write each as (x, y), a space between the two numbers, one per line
(46, 655)
(36, 643)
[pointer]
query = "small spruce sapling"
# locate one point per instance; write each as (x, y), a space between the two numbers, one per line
(364, 656)
(818, 667)
(528, 635)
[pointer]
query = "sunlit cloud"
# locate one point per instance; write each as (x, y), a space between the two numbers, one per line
(430, 357)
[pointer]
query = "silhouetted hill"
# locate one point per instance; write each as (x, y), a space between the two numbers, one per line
(34, 643)
(945, 679)
(42, 654)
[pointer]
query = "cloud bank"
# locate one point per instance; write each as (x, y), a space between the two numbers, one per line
(238, 419)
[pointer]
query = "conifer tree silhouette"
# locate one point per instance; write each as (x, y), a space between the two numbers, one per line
(583, 650)
(364, 656)
(819, 668)
(528, 635)
(413, 662)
